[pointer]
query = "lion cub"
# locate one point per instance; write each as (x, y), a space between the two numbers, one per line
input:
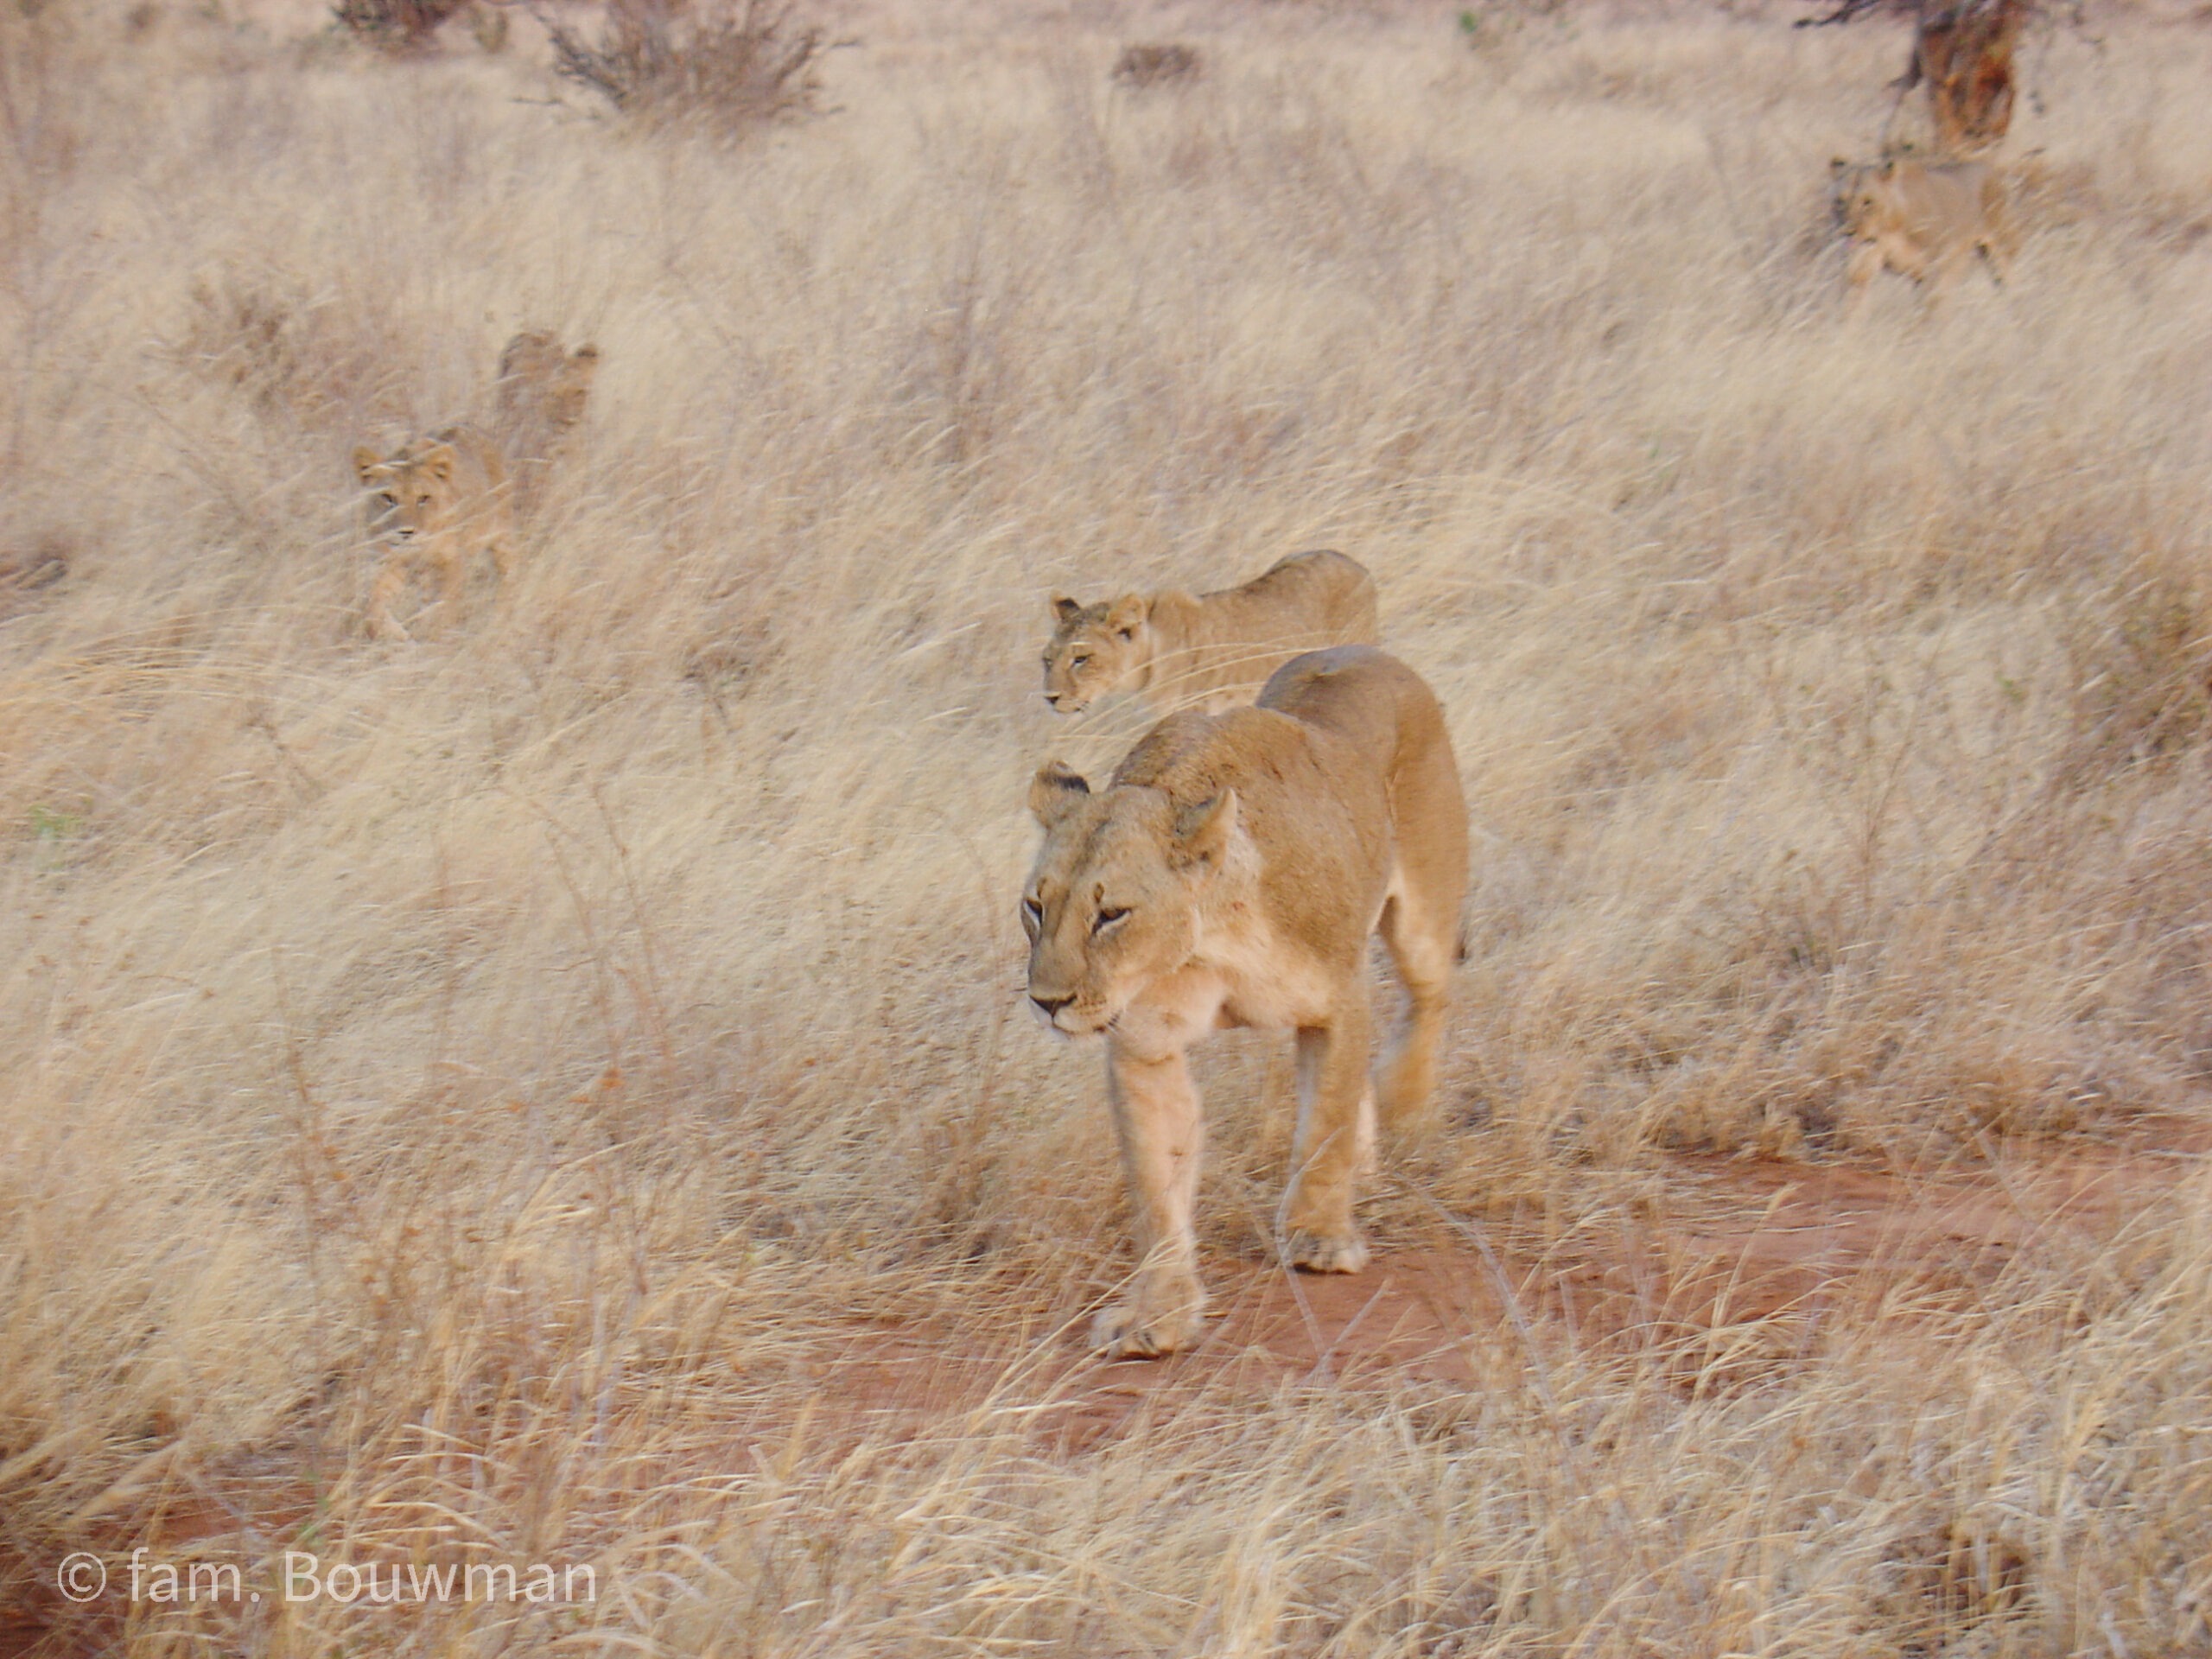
(432, 503)
(1230, 875)
(541, 394)
(1923, 220)
(1210, 650)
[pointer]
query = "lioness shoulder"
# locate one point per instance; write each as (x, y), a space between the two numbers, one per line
(1230, 874)
(1207, 650)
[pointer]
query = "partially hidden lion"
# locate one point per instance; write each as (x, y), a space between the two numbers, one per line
(540, 398)
(1230, 876)
(1923, 220)
(1206, 650)
(434, 502)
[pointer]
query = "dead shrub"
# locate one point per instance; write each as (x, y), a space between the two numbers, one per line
(729, 65)
(1161, 63)
(397, 25)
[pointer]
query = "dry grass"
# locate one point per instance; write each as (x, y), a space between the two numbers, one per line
(473, 1101)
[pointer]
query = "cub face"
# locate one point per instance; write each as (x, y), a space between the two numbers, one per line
(1111, 905)
(412, 492)
(1093, 649)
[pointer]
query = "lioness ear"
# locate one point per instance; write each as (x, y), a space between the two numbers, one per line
(1127, 615)
(1054, 791)
(365, 462)
(1201, 832)
(438, 462)
(1066, 609)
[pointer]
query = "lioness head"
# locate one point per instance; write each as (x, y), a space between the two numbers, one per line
(1857, 190)
(1112, 904)
(411, 491)
(536, 376)
(1094, 648)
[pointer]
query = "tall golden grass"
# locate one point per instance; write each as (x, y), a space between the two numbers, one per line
(471, 1100)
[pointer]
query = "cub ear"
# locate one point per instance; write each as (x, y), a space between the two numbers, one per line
(1127, 615)
(367, 463)
(1054, 791)
(1201, 832)
(1065, 610)
(437, 461)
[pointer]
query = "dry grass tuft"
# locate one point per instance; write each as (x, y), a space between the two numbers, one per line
(729, 65)
(402, 26)
(1158, 63)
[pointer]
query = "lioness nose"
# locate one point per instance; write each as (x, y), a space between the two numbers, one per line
(1051, 1005)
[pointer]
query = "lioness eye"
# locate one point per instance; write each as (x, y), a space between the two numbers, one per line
(422, 500)
(1108, 917)
(1033, 915)
(388, 501)
(1078, 659)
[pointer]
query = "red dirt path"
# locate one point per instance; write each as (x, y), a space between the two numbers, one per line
(1731, 1278)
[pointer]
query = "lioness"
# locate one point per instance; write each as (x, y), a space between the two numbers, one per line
(1211, 650)
(1921, 219)
(434, 501)
(1230, 876)
(540, 393)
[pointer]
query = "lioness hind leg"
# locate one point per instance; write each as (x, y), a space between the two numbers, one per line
(1156, 1118)
(1334, 1135)
(1422, 950)
(1420, 922)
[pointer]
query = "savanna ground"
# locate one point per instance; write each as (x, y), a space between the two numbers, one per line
(559, 1093)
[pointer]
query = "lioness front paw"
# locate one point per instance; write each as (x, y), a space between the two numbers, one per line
(1323, 1253)
(1129, 1333)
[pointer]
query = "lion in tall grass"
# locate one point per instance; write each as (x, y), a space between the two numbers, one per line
(541, 395)
(432, 503)
(1923, 220)
(1210, 650)
(1230, 876)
